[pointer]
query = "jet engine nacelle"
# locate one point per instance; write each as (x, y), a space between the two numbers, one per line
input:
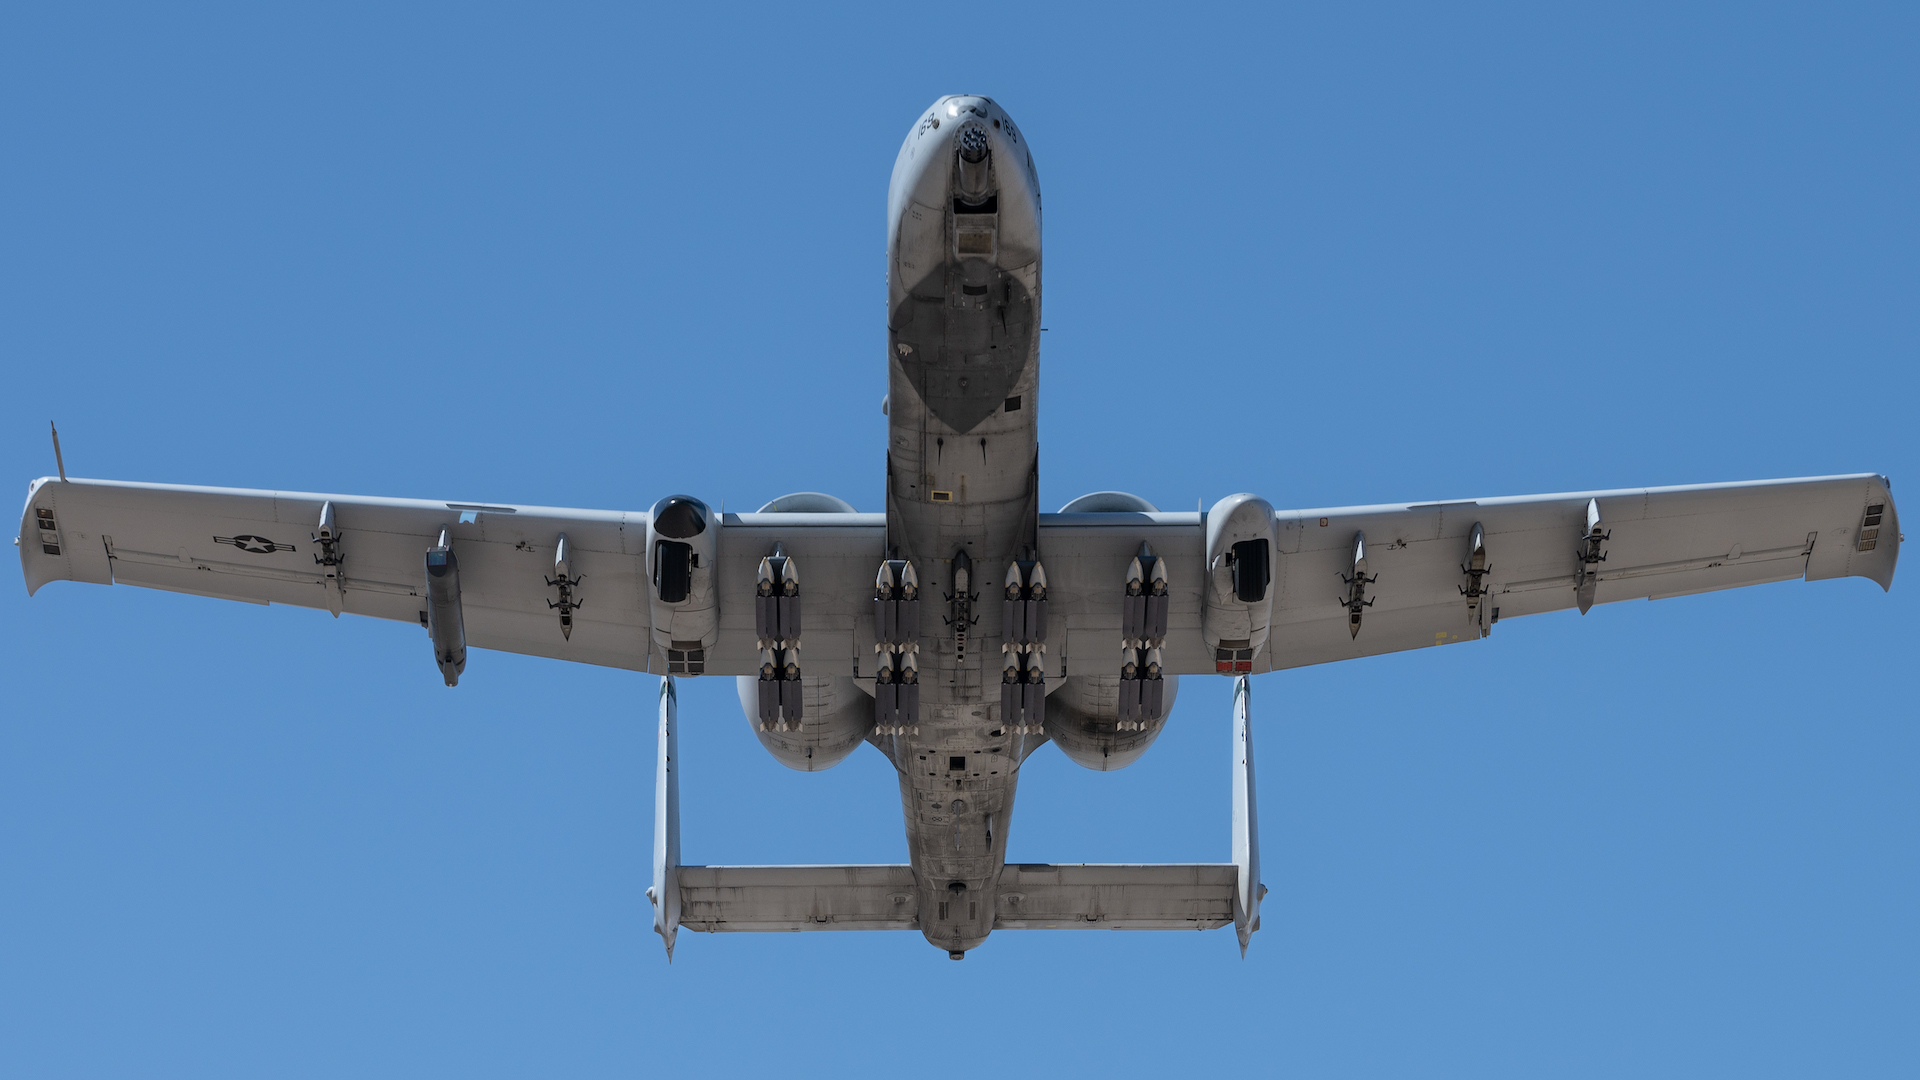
(683, 552)
(837, 716)
(1239, 596)
(1083, 717)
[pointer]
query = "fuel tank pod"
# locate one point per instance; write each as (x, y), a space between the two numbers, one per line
(1083, 718)
(836, 717)
(1239, 595)
(683, 553)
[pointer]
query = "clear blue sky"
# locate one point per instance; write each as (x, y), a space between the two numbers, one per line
(576, 257)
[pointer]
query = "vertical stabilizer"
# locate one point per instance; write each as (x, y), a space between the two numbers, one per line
(665, 891)
(1246, 827)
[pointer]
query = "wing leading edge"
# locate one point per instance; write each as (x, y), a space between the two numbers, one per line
(265, 547)
(1656, 543)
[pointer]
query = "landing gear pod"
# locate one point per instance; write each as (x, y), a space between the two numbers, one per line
(836, 717)
(1239, 596)
(444, 623)
(683, 548)
(1083, 717)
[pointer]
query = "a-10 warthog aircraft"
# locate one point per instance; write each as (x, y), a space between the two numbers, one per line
(961, 629)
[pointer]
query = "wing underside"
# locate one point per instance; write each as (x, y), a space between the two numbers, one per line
(1660, 543)
(261, 547)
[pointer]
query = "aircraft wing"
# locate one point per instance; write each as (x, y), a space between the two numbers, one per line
(1658, 543)
(260, 547)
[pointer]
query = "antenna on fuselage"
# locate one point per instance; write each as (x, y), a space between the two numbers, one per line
(58, 463)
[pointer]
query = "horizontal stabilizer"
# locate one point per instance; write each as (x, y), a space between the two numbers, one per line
(1092, 896)
(774, 899)
(1032, 896)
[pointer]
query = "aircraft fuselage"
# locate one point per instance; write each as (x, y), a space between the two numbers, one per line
(963, 342)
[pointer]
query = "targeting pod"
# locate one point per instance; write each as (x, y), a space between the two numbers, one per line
(444, 623)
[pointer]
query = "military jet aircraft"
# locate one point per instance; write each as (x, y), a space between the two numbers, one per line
(961, 629)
